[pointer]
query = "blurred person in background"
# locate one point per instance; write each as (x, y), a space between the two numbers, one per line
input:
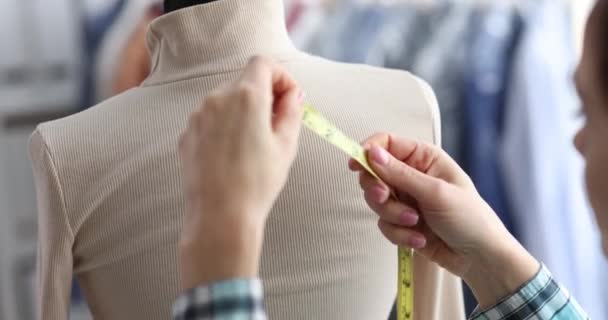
(123, 61)
(134, 60)
(439, 212)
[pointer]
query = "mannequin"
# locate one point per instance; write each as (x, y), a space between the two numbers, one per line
(111, 195)
(172, 5)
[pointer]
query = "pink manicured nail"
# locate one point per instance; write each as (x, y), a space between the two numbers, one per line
(408, 218)
(417, 242)
(378, 155)
(379, 193)
(301, 96)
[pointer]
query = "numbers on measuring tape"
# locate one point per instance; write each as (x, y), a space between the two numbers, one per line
(405, 291)
(314, 121)
(318, 124)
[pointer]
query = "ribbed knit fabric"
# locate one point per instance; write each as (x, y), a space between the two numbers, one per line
(110, 193)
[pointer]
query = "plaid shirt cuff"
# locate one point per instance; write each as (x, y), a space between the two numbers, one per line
(540, 298)
(238, 299)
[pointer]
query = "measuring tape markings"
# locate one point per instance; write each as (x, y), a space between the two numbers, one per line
(318, 124)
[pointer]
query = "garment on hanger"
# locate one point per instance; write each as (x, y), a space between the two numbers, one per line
(96, 25)
(429, 41)
(442, 63)
(328, 42)
(363, 29)
(405, 31)
(492, 47)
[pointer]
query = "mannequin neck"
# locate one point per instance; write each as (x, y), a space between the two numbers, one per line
(172, 5)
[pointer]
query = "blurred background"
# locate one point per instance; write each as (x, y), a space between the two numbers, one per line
(501, 71)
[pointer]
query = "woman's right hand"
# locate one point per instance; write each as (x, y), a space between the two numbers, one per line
(441, 215)
(235, 159)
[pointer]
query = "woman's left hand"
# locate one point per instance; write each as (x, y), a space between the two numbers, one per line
(439, 212)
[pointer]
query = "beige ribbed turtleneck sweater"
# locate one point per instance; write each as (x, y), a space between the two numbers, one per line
(110, 196)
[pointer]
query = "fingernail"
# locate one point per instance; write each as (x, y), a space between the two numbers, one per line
(379, 193)
(408, 218)
(301, 96)
(378, 155)
(417, 242)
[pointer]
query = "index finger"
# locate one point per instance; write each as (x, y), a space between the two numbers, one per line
(400, 148)
(419, 155)
(272, 77)
(424, 157)
(384, 140)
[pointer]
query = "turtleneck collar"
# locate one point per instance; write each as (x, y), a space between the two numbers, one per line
(216, 37)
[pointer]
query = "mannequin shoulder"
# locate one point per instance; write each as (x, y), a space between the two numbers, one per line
(92, 133)
(387, 97)
(367, 80)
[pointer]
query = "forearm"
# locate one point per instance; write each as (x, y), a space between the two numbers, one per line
(219, 260)
(500, 272)
(540, 298)
(218, 250)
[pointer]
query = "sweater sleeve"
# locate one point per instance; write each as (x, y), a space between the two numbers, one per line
(55, 237)
(541, 298)
(222, 300)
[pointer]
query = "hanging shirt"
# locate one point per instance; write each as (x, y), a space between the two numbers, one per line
(491, 47)
(362, 32)
(95, 26)
(404, 31)
(441, 62)
(491, 53)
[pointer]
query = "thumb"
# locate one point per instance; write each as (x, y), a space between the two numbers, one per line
(402, 177)
(287, 119)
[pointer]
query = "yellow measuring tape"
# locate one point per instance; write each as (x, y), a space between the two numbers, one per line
(315, 121)
(405, 289)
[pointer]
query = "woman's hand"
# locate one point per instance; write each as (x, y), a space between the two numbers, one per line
(236, 155)
(441, 215)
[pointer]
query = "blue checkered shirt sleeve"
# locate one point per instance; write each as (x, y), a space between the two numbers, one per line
(238, 299)
(541, 298)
